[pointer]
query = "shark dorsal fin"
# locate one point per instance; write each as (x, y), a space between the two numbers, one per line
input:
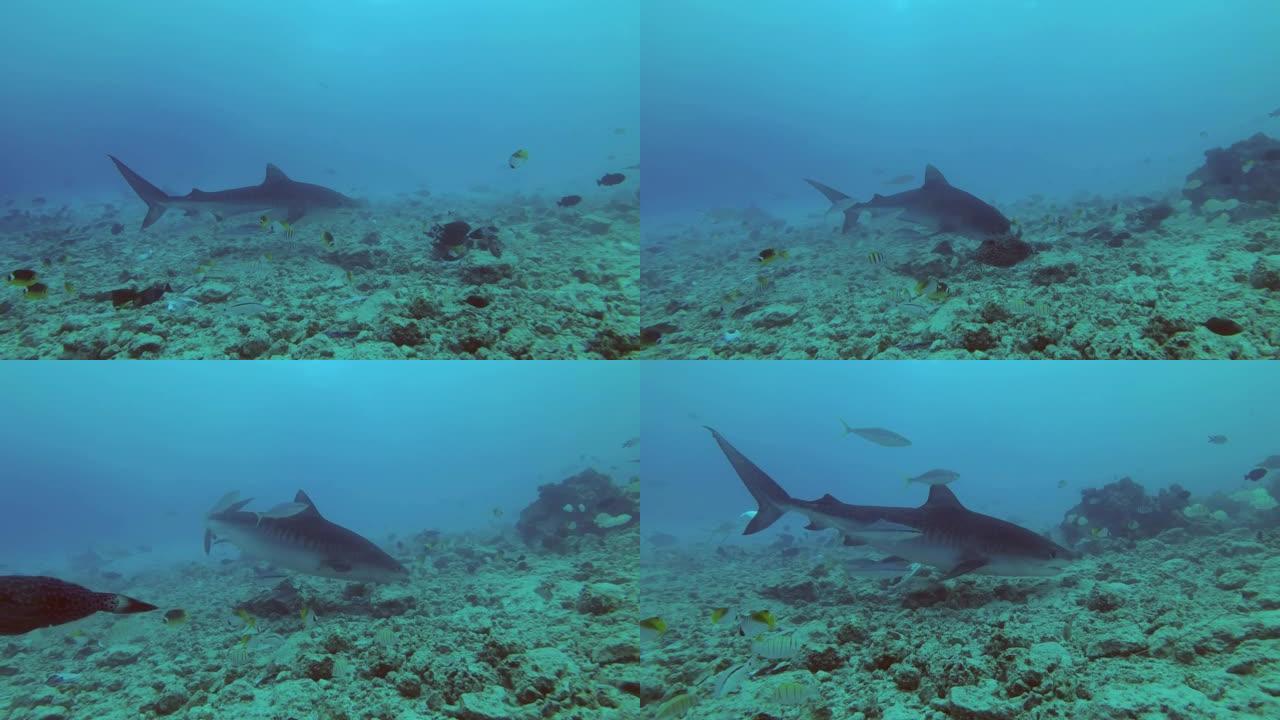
(940, 496)
(301, 497)
(933, 177)
(828, 499)
(274, 175)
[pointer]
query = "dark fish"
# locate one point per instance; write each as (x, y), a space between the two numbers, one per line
(631, 442)
(1255, 474)
(123, 296)
(569, 200)
(1204, 133)
(30, 602)
(1274, 113)
(1217, 439)
(611, 179)
(152, 294)
(661, 539)
(1223, 326)
(112, 575)
(23, 277)
(900, 180)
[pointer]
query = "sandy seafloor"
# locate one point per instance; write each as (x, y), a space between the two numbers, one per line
(1073, 298)
(1182, 626)
(564, 286)
(485, 630)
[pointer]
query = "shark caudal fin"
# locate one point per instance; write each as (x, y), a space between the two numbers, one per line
(768, 494)
(154, 197)
(839, 202)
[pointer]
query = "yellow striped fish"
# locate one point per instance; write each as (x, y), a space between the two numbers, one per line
(874, 257)
(1021, 307)
(791, 693)
(676, 707)
(776, 647)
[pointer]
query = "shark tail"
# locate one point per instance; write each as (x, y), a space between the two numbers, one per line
(847, 429)
(769, 494)
(154, 197)
(839, 201)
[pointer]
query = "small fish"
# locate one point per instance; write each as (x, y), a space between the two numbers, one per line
(36, 291)
(327, 237)
(937, 476)
(177, 616)
(1217, 439)
(62, 678)
(249, 620)
(874, 257)
(631, 442)
(768, 255)
(497, 512)
(757, 622)
(1255, 474)
(1247, 167)
(1223, 326)
(619, 131)
(23, 278)
(901, 180)
(791, 693)
(385, 636)
(611, 179)
(288, 229)
(1062, 484)
(518, 158)
(350, 278)
(1021, 307)
(879, 436)
(718, 614)
(308, 617)
(1204, 133)
(652, 628)
(776, 647)
(763, 281)
(69, 287)
(569, 200)
(676, 707)
(238, 655)
(730, 679)
(263, 221)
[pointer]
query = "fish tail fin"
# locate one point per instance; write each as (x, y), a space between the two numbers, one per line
(155, 198)
(847, 429)
(907, 481)
(769, 495)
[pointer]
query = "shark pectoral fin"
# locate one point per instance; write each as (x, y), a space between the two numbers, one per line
(850, 220)
(295, 214)
(965, 566)
(813, 525)
(217, 216)
(208, 541)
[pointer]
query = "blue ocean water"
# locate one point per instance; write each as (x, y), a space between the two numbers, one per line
(1008, 98)
(118, 456)
(1026, 437)
(368, 96)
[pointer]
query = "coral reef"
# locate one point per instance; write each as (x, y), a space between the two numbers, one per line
(1178, 625)
(1125, 277)
(484, 630)
(1122, 509)
(395, 280)
(588, 503)
(1246, 172)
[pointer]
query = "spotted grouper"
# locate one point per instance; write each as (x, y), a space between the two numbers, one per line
(29, 602)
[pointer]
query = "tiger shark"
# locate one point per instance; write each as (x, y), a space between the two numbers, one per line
(941, 532)
(937, 205)
(300, 539)
(276, 193)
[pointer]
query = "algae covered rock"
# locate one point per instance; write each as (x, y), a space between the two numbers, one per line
(566, 509)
